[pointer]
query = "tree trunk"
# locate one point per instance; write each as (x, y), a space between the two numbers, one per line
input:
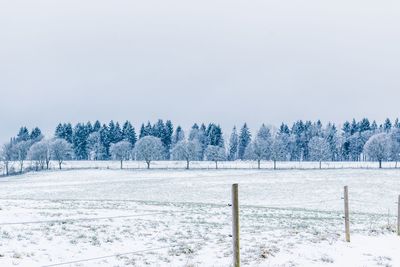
(47, 164)
(59, 164)
(380, 164)
(395, 166)
(187, 165)
(148, 164)
(121, 165)
(216, 165)
(274, 164)
(258, 162)
(21, 168)
(320, 167)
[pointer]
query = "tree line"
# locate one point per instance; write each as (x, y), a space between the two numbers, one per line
(303, 141)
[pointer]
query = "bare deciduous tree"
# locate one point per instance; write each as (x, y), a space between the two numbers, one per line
(61, 150)
(121, 151)
(149, 148)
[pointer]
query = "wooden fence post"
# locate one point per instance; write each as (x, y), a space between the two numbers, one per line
(346, 213)
(235, 225)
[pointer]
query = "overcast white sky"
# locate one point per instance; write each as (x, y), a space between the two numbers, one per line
(224, 61)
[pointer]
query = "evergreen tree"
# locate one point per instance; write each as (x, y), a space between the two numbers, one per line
(354, 127)
(214, 135)
(96, 126)
(284, 129)
(264, 133)
(36, 135)
(233, 145)
(203, 139)
(365, 125)
(128, 133)
(80, 142)
(387, 125)
(142, 132)
(374, 126)
(89, 127)
(194, 132)
(396, 123)
(167, 138)
(244, 141)
(178, 136)
(105, 141)
(23, 134)
(346, 129)
(332, 139)
(297, 151)
(148, 129)
(159, 129)
(118, 136)
(64, 131)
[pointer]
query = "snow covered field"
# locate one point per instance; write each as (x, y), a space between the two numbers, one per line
(181, 218)
(208, 165)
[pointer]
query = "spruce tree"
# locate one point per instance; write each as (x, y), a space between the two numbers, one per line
(96, 126)
(264, 133)
(23, 134)
(244, 141)
(36, 135)
(214, 135)
(167, 139)
(194, 132)
(387, 125)
(178, 136)
(233, 145)
(365, 125)
(128, 133)
(105, 141)
(80, 142)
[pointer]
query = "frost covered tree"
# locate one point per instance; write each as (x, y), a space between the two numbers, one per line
(128, 133)
(395, 148)
(166, 138)
(40, 154)
(95, 146)
(179, 135)
(36, 135)
(387, 125)
(79, 141)
(64, 131)
(378, 147)
(215, 153)
(264, 133)
(121, 151)
(60, 151)
(278, 149)
(194, 132)
(319, 150)
(214, 135)
(6, 156)
(233, 145)
(149, 148)
(187, 150)
(21, 152)
(244, 141)
(258, 150)
(105, 142)
(23, 134)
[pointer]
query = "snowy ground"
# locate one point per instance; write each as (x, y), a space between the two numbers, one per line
(181, 218)
(205, 165)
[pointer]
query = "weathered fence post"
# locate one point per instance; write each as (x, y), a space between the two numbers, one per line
(346, 213)
(235, 225)
(398, 216)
